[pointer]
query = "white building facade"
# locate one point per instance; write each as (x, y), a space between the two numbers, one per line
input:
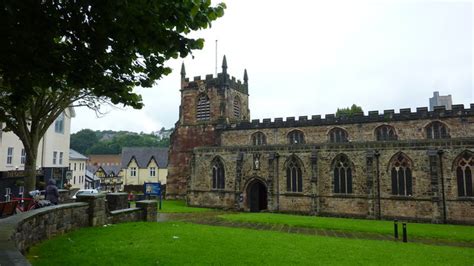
(53, 154)
(77, 166)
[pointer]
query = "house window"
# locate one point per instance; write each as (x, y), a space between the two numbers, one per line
(203, 108)
(437, 130)
(74, 179)
(55, 157)
(294, 176)
(237, 107)
(296, 137)
(152, 171)
(218, 174)
(464, 169)
(10, 155)
(385, 132)
(259, 138)
(338, 135)
(60, 158)
(401, 175)
(74, 166)
(23, 156)
(133, 171)
(59, 124)
(342, 175)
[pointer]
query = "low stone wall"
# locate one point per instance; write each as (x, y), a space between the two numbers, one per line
(117, 201)
(126, 215)
(19, 232)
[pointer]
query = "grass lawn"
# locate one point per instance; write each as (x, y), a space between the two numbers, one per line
(436, 231)
(174, 206)
(177, 243)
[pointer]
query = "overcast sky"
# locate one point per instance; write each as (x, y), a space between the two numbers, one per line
(311, 57)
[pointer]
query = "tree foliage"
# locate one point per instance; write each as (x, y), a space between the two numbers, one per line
(55, 54)
(111, 142)
(349, 111)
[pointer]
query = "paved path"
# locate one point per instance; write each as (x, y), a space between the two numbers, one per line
(211, 218)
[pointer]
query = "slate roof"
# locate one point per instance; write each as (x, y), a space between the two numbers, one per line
(76, 155)
(143, 155)
(111, 168)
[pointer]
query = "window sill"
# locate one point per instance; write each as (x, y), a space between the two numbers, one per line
(466, 198)
(291, 193)
(402, 197)
(344, 195)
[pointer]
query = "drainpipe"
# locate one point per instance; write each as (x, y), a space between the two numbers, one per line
(440, 154)
(379, 209)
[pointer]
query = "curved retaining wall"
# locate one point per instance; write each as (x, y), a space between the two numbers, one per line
(19, 232)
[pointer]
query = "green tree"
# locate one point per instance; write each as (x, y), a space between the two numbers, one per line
(55, 54)
(83, 140)
(349, 111)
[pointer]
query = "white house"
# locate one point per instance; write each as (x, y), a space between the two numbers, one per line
(53, 153)
(77, 166)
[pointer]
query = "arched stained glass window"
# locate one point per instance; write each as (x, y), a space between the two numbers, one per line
(296, 137)
(294, 176)
(338, 135)
(218, 174)
(258, 138)
(437, 130)
(342, 174)
(385, 133)
(401, 175)
(464, 168)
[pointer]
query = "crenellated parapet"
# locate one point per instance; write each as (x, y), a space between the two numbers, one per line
(223, 80)
(387, 116)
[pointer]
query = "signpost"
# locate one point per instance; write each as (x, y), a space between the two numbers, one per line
(152, 189)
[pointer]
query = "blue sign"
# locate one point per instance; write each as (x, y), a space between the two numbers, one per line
(152, 189)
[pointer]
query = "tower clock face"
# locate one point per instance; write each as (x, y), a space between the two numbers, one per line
(202, 87)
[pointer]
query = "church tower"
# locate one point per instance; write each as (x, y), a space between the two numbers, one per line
(207, 106)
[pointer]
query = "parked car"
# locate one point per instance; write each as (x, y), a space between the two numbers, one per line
(85, 192)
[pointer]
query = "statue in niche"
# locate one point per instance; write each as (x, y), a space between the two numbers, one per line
(256, 161)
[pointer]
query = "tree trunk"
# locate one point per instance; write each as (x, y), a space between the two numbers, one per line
(30, 165)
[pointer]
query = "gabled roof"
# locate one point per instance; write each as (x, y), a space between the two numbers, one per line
(74, 155)
(143, 156)
(108, 169)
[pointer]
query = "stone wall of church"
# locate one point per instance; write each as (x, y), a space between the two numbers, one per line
(318, 197)
(357, 132)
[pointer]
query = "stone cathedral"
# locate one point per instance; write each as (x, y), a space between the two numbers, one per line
(412, 165)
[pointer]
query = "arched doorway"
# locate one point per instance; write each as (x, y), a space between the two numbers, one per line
(257, 196)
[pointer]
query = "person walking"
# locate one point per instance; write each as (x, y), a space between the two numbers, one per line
(52, 193)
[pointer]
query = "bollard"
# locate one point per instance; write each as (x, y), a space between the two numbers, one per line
(395, 228)
(404, 232)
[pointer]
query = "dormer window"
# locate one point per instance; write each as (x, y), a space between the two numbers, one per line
(203, 108)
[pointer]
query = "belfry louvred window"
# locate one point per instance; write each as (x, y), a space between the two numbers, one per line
(237, 108)
(218, 174)
(401, 175)
(464, 168)
(203, 108)
(342, 174)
